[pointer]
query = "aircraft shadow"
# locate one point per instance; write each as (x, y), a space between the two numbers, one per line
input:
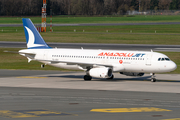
(145, 78)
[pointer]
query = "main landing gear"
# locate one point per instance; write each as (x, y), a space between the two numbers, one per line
(111, 77)
(42, 65)
(87, 78)
(153, 79)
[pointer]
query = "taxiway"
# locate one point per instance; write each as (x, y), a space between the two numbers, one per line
(144, 47)
(41, 95)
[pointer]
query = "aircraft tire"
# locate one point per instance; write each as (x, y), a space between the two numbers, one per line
(112, 77)
(42, 65)
(153, 80)
(87, 78)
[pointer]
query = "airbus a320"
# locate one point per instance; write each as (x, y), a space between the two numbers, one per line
(95, 63)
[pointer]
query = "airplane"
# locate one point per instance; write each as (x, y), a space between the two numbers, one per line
(95, 63)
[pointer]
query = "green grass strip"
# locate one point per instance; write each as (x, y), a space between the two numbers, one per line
(144, 34)
(96, 19)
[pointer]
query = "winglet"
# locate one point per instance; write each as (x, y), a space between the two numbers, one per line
(33, 38)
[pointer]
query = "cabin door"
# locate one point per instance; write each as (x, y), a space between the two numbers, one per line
(45, 56)
(148, 59)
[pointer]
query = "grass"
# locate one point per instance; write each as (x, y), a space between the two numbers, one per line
(16, 61)
(122, 29)
(96, 19)
(174, 56)
(143, 34)
(113, 38)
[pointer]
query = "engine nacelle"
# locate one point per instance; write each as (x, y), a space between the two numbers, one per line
(103, 72)
(132, 74)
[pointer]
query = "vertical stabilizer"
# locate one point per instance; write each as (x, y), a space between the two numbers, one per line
(33, 38)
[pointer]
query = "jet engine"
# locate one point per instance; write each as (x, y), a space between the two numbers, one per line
(132, 73)
(103, 72)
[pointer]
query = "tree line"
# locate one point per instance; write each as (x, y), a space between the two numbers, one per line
(84, 7)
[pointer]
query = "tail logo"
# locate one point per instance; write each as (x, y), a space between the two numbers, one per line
(31, 39)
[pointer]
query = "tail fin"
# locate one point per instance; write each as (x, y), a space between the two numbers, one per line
(33, 38)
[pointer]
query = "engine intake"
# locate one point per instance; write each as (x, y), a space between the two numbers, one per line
(132, 73)
(100, 72)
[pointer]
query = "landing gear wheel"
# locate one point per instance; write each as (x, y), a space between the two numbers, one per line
(153, 79)
(87, 78)
(111, 77)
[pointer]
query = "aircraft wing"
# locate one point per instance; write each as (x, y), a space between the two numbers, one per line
(84, 65)
(81, 64)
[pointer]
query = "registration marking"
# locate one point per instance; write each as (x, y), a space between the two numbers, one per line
(31, 113)
(122, 110)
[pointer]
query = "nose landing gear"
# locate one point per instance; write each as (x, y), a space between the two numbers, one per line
(153, 79)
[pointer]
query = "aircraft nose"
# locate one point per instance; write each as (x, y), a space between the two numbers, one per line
(172, 66)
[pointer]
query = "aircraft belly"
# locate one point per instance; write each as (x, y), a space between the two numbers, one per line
(133, 67)
(66, 66)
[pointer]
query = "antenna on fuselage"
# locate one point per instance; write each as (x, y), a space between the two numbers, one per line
(151, 50)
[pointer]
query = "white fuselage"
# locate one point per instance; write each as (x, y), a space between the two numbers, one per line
(119, 61)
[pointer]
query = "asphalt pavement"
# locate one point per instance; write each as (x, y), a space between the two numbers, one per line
(73, 104)
(146, 47)
(66, 96)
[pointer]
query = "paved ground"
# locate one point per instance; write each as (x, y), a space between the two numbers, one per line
(168, 83)
(60, 95)
(73, 104)
(175, 48)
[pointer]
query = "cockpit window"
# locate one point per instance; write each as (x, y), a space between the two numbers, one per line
(167, 59)
(163, 59)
